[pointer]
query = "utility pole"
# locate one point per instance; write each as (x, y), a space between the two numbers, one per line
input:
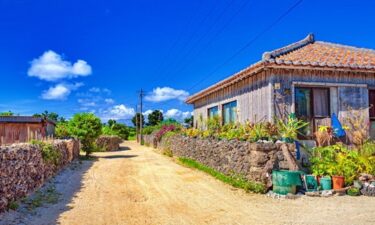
(141, 94)
(136, 123)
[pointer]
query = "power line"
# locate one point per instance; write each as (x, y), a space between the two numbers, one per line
(248, 44)
(218, 33)
(207, 31)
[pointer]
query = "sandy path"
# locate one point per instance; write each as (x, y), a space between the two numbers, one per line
(139, 186)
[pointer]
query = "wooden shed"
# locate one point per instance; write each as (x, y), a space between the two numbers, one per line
(15, 129)
(313, 79)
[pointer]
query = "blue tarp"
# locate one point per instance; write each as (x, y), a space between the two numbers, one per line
(338, 131)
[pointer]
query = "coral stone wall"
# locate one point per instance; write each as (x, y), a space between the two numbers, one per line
(22, 168)
(253, 160)
(109, 143)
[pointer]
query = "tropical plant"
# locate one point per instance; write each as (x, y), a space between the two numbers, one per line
(289, 130)
(87, 128)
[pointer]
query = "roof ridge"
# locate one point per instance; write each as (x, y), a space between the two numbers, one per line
(289, 48)
(347, 46)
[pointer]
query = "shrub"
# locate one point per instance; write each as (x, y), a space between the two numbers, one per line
(86, 127)
(340, 160)
(117, 129)
(164, 129)
(61, 130)
(49, 153)
(289, 129)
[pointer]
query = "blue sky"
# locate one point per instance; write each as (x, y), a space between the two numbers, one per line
(73, 56)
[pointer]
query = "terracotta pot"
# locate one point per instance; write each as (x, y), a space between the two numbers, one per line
(338, 182)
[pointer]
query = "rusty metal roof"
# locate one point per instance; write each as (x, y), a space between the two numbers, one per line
(22, 119)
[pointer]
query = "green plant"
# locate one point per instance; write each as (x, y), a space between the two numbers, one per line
(258, 131)
(13, 205)
(353, 191)
(87, 128)
(289, 130)
(167, 152)
(41, 197)
(61, 130)
(49, 153)
(368, 148)
(340, 160)
(237, 181)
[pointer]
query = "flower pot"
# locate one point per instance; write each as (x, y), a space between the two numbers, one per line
(338, 182)
(326, 183)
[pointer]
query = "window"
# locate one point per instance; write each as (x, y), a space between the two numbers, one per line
(213, 111)
(312, 105)
(371, 100)
(230, 112)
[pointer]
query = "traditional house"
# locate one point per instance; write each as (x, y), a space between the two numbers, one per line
(313, 79)
(14, 129)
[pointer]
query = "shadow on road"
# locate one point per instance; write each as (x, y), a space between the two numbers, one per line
(117, 156)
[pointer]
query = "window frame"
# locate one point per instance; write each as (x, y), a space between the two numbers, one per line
(223, 112)
(312, 119)
(209, 109)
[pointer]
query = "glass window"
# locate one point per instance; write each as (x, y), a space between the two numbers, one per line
(214, 111)
(312, 105)
(321, 102)
(230, 112)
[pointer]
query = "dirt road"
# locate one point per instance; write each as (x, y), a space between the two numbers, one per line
(138, 186)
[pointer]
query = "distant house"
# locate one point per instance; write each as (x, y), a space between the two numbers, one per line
(14, 129)
(311, 78)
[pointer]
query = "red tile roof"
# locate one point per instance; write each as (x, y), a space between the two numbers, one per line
(304, 53)
(322, 54)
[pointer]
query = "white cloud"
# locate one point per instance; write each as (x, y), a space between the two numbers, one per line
(177, 114)
(100, 90)
(60, 91)
(52, 67)
(86, 102)
(147, 112)
(166, 93)
(118, 112)
(109, 101)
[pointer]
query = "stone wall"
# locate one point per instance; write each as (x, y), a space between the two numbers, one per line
(109, 143)
(253, 160)
(22, 168)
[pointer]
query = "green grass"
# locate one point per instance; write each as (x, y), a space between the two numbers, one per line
(47, 196)
(235, 180)
(13, 205)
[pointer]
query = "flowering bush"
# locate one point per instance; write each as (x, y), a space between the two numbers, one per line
(164, 129)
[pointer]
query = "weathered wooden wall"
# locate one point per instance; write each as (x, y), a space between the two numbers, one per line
(253, 96)
(348, 90)
(271, 93)
(20, 132)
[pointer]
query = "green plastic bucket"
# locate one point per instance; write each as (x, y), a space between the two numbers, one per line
(285, 181)
(326, 183)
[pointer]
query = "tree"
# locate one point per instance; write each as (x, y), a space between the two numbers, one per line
(86, 127)
(61, 130)
(137, 119)
(49, 115)
(111, 122)
(9, 113)
(155, 118)
(189, 121)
